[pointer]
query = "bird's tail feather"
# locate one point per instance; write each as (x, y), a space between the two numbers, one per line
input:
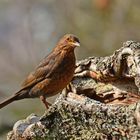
(17, 96)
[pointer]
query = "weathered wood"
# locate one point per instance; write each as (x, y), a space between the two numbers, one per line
(104, 108)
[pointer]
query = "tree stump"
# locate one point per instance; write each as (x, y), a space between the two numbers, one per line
(102, 102)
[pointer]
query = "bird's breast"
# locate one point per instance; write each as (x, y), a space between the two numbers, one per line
(62, 75)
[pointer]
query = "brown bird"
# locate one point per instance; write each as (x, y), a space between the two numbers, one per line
(52, 75)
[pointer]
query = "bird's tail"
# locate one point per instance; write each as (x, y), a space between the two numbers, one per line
(17, 96)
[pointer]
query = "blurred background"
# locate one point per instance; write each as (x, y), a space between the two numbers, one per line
(29, 29)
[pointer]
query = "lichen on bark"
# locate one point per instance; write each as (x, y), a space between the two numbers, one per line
(102, 102)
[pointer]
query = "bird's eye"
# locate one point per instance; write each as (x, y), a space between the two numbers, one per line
(68, 39)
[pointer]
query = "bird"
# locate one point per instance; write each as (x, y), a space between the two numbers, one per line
(52, 74)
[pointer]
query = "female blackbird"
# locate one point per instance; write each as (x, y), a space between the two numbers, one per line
(52, 75)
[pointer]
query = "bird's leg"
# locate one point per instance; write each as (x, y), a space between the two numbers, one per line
(43, 99)
(69, 88)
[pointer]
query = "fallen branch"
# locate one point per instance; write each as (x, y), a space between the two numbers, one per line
(103, 102)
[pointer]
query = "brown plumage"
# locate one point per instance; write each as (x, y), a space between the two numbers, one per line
(52, 74)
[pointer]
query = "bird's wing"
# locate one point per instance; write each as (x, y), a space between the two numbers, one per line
(43, 70)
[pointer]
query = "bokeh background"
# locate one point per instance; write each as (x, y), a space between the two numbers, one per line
(29, 29)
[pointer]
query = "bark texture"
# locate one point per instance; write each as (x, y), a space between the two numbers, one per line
(102, 102)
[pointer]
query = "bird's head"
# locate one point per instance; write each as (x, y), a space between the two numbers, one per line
(69, 41)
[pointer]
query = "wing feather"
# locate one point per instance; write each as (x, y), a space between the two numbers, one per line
(43, 70)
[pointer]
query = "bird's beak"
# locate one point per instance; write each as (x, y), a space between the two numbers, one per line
(77, 44)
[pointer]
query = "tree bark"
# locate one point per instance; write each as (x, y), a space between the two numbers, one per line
(102, 102)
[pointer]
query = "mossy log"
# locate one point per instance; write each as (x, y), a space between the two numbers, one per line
(102, 102)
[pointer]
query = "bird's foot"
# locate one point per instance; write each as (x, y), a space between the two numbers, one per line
(43, 99)
(69, 88)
